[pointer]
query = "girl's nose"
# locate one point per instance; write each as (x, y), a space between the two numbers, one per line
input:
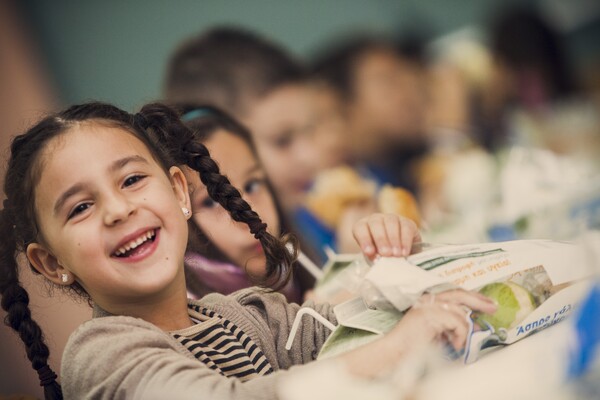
(118, 208)
(306, 156)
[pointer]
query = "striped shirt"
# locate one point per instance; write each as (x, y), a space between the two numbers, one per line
(222, 346)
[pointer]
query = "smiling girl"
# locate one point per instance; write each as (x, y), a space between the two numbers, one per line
(99, 208)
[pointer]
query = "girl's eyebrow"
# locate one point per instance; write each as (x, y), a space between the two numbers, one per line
(66, 194)
(253, 169)
(115, 166)
(120, 163)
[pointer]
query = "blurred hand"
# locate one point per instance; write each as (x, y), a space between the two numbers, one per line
(472, 300)
(386, 235)
(442, 317)
(349, 218)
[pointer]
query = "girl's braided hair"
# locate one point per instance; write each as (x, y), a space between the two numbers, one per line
(183, 148)
(18, 223)
(205, 121)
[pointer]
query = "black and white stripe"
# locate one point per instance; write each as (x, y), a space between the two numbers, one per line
(222, 346)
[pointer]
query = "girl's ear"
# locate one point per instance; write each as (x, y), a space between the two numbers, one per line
(180, 187)
(48, 265)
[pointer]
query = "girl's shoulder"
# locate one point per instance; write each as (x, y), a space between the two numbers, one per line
(114, 334)
(102, 318)
(244, 298)
(104, 331)
(104, 352)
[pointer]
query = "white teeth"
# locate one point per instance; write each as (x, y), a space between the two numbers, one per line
(135, 243)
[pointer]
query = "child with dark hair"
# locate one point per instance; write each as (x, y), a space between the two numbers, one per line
(265, 88)
(382, 93)
(531, 72)
(98, 207)
(228, 68)
(222, 255)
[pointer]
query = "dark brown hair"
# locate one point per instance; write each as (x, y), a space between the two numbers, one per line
(336, 64)
(522, 39)
(203, 122)
(230, 68)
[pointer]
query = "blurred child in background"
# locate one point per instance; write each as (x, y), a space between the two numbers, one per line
(383, 97)
(531, 73)
(263, 87)
(222, 255)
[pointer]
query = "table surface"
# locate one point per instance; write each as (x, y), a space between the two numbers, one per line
(531, 368)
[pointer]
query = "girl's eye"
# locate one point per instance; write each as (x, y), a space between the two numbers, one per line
(283, 141)
(79, 208)
(208, 203)
(132, 180)
(253, 185)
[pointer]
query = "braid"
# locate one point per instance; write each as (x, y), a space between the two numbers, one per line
(221, 190)
(165, 126)
(15, 301)
(279, 258)
(18, 226)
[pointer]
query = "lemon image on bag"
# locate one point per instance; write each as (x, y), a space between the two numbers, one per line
(514, 304)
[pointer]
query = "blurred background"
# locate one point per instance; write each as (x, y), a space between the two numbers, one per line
(62, 52)
(117, 50)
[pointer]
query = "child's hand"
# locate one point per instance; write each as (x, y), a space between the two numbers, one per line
(345, 241)
(386, 235)
(472, 300)
(442, 317)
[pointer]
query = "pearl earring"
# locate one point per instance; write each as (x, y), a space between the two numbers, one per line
(65, 278)
(186, 212)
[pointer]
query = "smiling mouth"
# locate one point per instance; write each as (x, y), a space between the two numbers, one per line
(136, 245)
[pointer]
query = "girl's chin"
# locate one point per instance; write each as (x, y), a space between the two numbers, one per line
(256, 266)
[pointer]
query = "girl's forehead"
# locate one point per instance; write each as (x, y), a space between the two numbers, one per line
(93, 133)
(220, 134)
(231, 149)
(89, 143)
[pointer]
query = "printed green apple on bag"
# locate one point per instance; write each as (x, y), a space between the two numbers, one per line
(514, 304)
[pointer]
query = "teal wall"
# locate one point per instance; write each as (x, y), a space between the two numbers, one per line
(117, 50)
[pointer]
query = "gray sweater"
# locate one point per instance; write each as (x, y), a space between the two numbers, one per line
(118, 357)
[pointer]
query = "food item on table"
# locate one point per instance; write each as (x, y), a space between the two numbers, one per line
(334, 190)
(514, 304)
(396, 200)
